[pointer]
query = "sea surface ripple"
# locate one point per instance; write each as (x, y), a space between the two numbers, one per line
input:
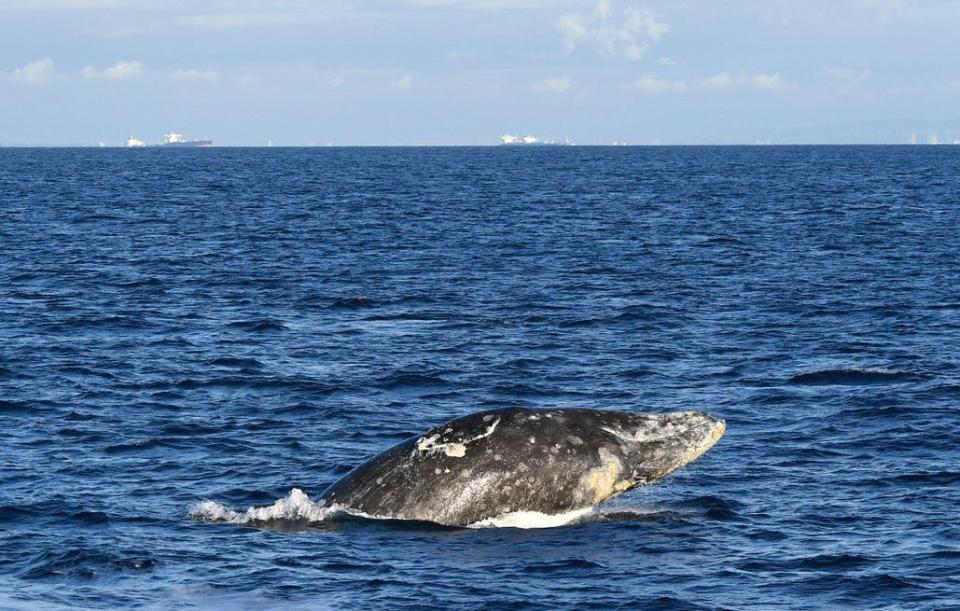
(239, 325)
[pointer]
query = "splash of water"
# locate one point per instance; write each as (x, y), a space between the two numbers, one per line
(295, 507)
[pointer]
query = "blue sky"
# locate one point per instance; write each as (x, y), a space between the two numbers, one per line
(466, 71)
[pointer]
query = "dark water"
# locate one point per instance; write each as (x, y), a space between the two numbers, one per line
(232, 324)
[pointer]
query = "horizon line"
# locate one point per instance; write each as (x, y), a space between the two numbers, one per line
(496, 146)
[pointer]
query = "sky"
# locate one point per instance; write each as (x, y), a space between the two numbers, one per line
(464, 72)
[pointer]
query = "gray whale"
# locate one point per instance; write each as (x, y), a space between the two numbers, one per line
(493, 463)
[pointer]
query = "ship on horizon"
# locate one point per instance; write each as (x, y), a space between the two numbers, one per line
(518, 140)
(175, 139)
(170, 139)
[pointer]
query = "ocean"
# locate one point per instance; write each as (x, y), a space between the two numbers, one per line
(243, 326)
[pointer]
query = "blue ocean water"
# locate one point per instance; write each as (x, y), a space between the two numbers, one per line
(231, 324)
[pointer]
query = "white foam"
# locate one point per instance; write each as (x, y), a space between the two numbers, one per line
(532, 519)
(296, 506)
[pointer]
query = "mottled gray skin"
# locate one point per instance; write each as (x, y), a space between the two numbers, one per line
(496, 462)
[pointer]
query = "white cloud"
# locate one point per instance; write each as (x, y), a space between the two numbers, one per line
(234, 21)
(880, 6)
(402, 82)
(839, 15)
(38, 72)
(611, 33)
(849, 76)
(651, 84)
(193, 74)
(768, 81)
(556, 84)
(668, 61)
(336, 80)
(722, 79)
(483, 5)
(63, 5)
(760, 81)
(119, 71)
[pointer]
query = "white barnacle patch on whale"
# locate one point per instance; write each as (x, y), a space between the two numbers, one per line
(695, 451)
(470, 493)
(660, 433)
(603, 481)
(454, 449)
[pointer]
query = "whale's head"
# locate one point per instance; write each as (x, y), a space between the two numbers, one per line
(655, 445)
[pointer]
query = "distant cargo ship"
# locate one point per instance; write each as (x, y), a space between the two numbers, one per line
(171, 139)
(175, 139)
(518, 140)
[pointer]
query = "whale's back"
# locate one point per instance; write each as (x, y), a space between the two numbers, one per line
(492, 463)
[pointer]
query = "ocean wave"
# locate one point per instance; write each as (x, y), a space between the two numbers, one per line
(136, 446)
(188, 429)
(86, 371)
(408, 317)
(137, 282)
(14, 407)
(647, 311)
(90, 517)
(935, 478)
(241, 363)
(84, 564)
(265, 325)
(559, 566)
(855, 377)
(352, 303)
(405, 379)
(822, 562)
(635, 373)
(290, 383)
(890, 412)
(116, 322)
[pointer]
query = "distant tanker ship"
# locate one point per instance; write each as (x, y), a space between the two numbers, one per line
(518, 140)
(175, 139)
(171, 139)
